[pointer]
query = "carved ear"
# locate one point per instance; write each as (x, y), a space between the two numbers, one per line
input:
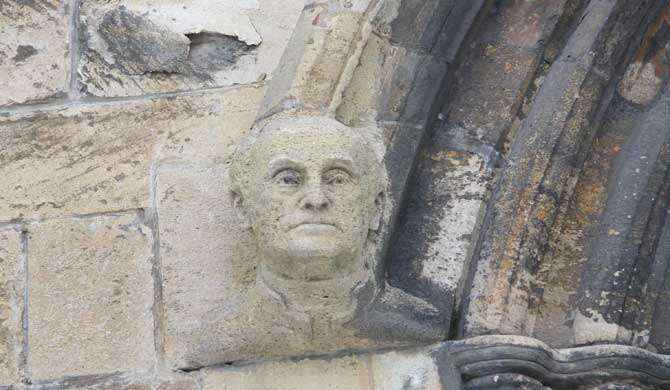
(376, 219)
(240, 211)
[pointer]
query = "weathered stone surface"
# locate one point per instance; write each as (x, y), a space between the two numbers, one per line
(204, 267)
(347, 373)
(207, 128)
(388, 85)
(547, 150)
(135, 47)
(155, 384)
(514, 362)
(203, 246)
(91, 296)
(34, 54)
(407, 370)
(91, 159)
(12, 278)
(414, 369)
(442, 215)
(218, 308)
(98, 158)
(318, 59)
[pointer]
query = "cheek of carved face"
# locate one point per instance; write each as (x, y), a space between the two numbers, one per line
(313, 208)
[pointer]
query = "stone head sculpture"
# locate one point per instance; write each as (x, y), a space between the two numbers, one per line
(310, 189)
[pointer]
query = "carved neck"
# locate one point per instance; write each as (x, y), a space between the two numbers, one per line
(332, 297)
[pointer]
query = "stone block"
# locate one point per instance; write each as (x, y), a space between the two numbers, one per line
(91, 296)
(34, 53)
(98, 158)
(202, 44)
(319, 51)
(206, 262)
(12, 278)
(210, 126)
(177, 384)
(347, 373)
(407, 370)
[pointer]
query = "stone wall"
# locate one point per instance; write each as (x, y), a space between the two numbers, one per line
(117, 120)
(526, 213)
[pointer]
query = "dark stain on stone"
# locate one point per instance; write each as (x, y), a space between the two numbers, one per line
(139, 46)
(23, 52)
(211, 52)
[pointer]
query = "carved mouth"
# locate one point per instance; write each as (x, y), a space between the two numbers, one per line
(315, 227)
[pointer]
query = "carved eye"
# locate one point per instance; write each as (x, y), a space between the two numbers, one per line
(287, 177)
(337, 177)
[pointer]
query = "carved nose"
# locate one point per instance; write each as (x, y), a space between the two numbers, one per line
(315, 200)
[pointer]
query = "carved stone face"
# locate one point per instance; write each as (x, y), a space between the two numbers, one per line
(311, 193)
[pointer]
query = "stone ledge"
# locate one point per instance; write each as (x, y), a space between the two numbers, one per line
(484, 356)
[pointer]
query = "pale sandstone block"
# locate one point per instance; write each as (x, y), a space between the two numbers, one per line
(203, 44)
(11, 306)
(312, 64)
(156, 384)
(89, 159)
(407, 370)
(91, 296)
(34, 54)
(204, 267)
(347, 373)
(211, 126)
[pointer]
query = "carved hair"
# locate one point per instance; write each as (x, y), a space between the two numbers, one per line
(242, 159)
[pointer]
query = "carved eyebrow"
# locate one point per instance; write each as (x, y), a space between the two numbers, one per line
(280, 163)
(340, 162)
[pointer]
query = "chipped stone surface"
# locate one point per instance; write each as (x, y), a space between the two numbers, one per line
(91, 296)
(12, 278)
(34, 54)
(98, 158)
(347, 373)
(135, 47)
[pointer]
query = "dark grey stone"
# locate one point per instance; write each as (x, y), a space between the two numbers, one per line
(139, 46)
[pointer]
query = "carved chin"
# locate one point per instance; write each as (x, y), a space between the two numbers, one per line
(318, 244)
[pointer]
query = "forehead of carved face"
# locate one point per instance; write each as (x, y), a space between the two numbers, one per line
(311, 194)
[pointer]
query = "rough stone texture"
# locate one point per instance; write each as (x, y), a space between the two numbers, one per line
(407, 370)
(91, 296)
(558, 106)
(317, 57)
(99, 158)
(204, 267)
(347, 373)
(126, 382)
(34, 53)
(135, 47)
(514, 362)
(12, 277)
(91, 159)
(441, 218)
(202, 244)
(546, 151)
(413, 369)
(208, 290)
